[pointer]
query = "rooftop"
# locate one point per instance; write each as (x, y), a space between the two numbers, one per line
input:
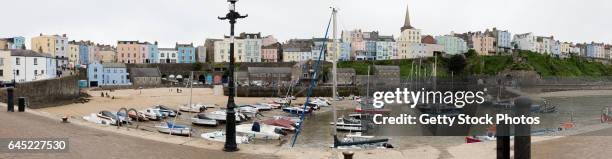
(113, 65)
(145, 72)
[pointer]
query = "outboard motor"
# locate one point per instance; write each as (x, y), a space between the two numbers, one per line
(256, 127)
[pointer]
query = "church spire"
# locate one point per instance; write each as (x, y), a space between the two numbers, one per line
(407, 20)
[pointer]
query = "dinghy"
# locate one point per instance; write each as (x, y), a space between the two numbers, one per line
(219, 136)
(95, 119)
(285, 124)
(220, 115)
(259, 131)
(202, 119)
(194, 108)
(174, 129)
(296, 110)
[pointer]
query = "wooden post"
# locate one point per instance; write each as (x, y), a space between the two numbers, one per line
(522, 140)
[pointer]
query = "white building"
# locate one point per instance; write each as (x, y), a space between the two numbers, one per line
(168, 55)
(525, 41)
(544, 45)
(201, 53)
(409, 42)
(27, 65)
(386, 48)
(247, 48)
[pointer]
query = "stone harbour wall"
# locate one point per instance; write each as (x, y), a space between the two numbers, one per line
(46, 93)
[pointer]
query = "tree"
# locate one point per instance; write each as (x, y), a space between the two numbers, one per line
(457, 64)
(196, 66)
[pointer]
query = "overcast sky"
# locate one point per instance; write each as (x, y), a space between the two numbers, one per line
(185, 21)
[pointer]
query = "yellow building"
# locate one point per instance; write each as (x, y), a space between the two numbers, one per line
(55, 45)
(73, 54)
(6, 69)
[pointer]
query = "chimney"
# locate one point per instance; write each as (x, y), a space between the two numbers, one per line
(40, 34)
(64, 35)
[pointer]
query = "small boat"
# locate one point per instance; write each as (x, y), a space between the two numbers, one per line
(259, 131)
(220, 115)
(158, 115)
(321, 102)
(348, 124)
(296, 110)
(248, 110)
(219, 136)
(151, 115)
(174, 129)
(472, 139)
(295, 120)
(171, 112)
(202, 119)
(93, 117)
(138, 116)
(107, 115)
(262, 106)
(285, 124)
(194, 108)
(281, 101)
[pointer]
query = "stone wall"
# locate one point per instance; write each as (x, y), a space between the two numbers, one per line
(46, 93)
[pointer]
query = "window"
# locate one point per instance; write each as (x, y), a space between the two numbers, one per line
(18, 61)
(35, 62)
(35, 72)
(1, 73)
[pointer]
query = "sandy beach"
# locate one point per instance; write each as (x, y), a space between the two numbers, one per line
(140, 99)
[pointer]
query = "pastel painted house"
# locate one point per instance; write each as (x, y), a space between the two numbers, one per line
(107, 74)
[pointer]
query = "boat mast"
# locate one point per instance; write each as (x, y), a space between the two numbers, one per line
(191, 89)
(334, 69)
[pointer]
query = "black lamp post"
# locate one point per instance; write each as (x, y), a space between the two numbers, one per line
(230, 126)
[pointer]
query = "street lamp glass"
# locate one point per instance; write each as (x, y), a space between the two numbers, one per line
(232, 7)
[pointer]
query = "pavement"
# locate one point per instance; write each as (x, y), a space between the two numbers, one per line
(595, 144)
(91, 143)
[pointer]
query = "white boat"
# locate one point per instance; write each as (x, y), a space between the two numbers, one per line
(262, 106)
(347, 124)
(156, 112)
(174, 129)
(150, 115)
(220, 115)
(95, 119)
(219, 136)
(202, 119)
(281, 101)
(194, 108)
(248, 111)
(321, 102)
(265, 131)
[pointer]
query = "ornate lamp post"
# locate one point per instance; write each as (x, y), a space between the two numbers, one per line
(230, 126)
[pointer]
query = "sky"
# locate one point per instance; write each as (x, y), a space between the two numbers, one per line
(186, 21)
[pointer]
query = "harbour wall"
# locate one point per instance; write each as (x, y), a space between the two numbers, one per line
(45, 93)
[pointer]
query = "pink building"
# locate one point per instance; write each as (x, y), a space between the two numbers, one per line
(355, 38)
(270, 53)
(132, 52)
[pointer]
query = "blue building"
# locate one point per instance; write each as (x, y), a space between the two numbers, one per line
(153, 53)
(13, 43)
(345, 51)
(186, 53)
(107, 74)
